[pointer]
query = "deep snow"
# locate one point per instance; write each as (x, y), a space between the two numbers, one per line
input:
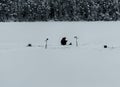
(88, 65)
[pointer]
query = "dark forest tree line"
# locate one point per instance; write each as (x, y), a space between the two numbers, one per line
(59, 10)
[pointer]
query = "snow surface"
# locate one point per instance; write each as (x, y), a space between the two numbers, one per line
(89, 65)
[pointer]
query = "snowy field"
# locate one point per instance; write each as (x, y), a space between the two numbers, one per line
(88, 65)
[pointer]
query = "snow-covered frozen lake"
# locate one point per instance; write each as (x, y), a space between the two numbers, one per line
(88, 65)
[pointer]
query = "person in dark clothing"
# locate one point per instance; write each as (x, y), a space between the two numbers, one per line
(63, 41)
(29, 45)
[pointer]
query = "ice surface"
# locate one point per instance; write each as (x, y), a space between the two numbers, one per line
(88, 65)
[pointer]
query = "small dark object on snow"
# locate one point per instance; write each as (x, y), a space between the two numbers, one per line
(46, 39)
(105, 46)
(46, 43)
(63, 41)
(70, 43)
(29, 45)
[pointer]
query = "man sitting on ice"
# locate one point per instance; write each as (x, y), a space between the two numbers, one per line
(64, 41)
